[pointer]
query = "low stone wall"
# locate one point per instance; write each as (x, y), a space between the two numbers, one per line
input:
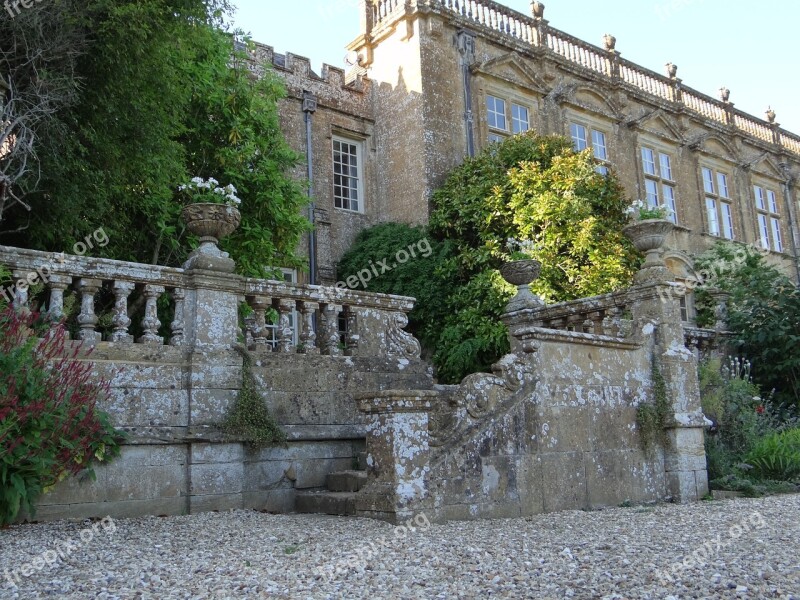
(176, 461)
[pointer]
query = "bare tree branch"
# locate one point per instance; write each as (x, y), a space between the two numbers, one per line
(38, 52)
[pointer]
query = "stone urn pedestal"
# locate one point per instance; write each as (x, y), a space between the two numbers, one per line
(522, 273)
(648, 236)
(211, 222)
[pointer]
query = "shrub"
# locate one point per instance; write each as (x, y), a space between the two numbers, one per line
(776, 457)
(763, 314)
(532, 189)
(50, 426)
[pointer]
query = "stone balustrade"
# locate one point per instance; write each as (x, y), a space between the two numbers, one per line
(309, 319)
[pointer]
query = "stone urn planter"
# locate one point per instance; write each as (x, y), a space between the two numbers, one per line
(211, 222)
(522, 273)
(648, 236)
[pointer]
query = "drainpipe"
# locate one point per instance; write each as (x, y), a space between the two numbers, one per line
(466, 48)
(309, 108)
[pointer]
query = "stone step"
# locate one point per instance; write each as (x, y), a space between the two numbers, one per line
(325, 502)
(346, 481)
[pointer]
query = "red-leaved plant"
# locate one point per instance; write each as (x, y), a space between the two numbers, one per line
(50, 426)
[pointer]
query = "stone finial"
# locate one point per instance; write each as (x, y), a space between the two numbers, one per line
(770, 114)
(610, 42)
(724, 94)
(537, 9)
(672, 70)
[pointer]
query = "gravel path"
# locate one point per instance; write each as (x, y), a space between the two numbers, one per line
(724, 549)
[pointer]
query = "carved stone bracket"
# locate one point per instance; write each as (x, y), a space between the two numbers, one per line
(401, 343)
(478, 397)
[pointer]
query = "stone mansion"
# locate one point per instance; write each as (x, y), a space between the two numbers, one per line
(434, 81)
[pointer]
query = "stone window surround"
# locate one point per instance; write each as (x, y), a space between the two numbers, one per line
(658, 147)
(592, 124)
(510, 97)
(727, 169)
(773, 216)
(359, 140)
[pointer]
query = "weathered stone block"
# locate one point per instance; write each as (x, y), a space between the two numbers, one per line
(217, 478)
(564, 481)
(147, 407)
(217, 453)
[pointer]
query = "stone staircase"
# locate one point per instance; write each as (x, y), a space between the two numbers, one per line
(339, 495)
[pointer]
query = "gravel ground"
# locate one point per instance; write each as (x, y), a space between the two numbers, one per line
(722, 549)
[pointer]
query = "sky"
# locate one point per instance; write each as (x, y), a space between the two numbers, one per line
(748, 47)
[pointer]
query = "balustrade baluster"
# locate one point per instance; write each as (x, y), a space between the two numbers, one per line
(178, 322)
(120, 321)
(308, 336)
(259, 304)
(351, 347)
(596, 319)
(21, 296)
(612, 323)
(150, 322)
(330, 330)
(87, 319)
(285, 306)
(58, 285)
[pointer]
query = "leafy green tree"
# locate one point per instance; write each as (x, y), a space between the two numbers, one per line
(538, 190)
(763, 314)
(533, 189)
(164, 97)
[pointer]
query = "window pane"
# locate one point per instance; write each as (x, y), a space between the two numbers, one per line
(722, 181)
(708, 181)
(601, 169)
(669, 202)
(651, 188)
(713, 221)
(496, 112)
(346, 179)
(666, 166)
(649, 161)
(494, 138)
(759, 192)
(579, 138)
(727, 220)
(519, 119)
(777, 241)
(764, 230)
(773, 202)
(599, 144)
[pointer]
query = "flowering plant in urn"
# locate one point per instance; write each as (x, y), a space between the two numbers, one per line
(209, 191)
(211, 214)
(643, 211)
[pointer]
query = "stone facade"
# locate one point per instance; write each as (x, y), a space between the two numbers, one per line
(425, 70)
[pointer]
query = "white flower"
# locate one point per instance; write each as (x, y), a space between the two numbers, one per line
(213, 181)
(197, 180)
